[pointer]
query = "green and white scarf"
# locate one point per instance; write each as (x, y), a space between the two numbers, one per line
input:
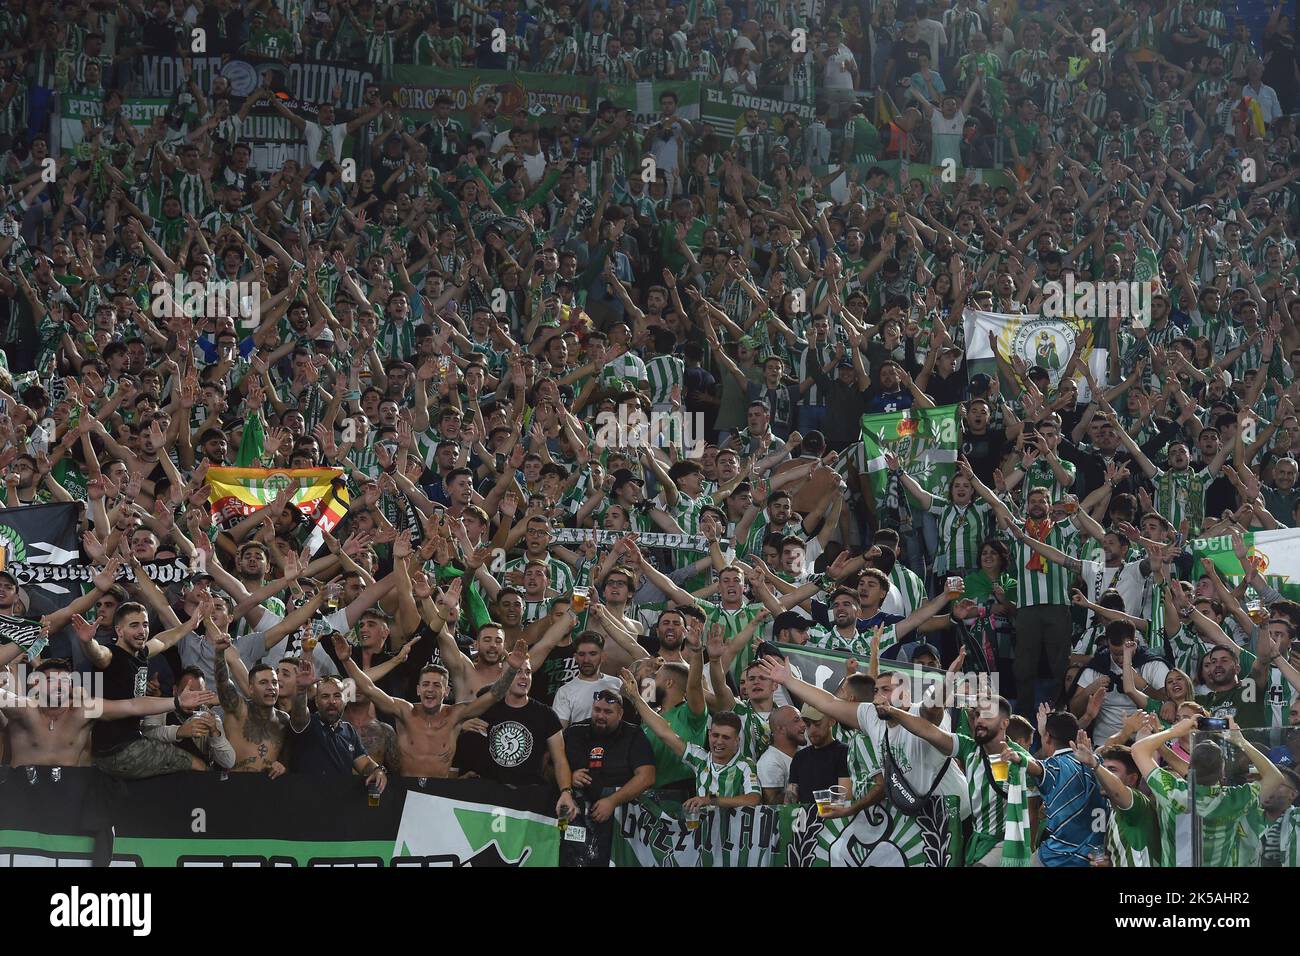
(1016, 848)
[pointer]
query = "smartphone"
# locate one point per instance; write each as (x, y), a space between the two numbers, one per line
(1211, 723)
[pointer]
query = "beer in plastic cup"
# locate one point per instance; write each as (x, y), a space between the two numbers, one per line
(824, 801)
(1001, 769)
(955, 585)
(693, 818)
(580, 595)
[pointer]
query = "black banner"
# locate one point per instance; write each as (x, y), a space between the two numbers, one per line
(39, 542)
(160, 572)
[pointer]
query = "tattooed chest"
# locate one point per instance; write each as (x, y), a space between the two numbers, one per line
(266, 733)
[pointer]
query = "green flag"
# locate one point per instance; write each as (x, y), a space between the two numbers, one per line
(251, 443)
(1276, 554)
(925, 441)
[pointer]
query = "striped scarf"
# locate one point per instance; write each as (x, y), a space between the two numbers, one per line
(1038, 530)
(1016, 848)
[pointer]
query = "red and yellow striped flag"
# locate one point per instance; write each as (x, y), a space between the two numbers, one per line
(322, 495)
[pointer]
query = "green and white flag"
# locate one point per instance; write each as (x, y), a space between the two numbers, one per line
(925, 441)
(1276, 554)
(1041, 340)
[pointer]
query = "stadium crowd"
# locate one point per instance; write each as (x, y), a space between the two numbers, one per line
(505, 329)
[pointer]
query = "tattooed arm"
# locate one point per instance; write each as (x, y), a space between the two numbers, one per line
(499, 688)
(232, 702)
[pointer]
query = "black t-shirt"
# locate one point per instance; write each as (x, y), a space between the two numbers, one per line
(125, 678)
(817, 768)
(619, 754)
(556, 671)
(517, 742)
(906, 56)
(985, 452)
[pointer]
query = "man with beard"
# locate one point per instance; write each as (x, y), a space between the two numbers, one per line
(1180, 491)
(824, 763)
(788, 735)
(612, 765)
(51, 727)
(573, 700)
(427, 731)
(1227, 695)
(256, 727)
(329, 744)
(1043, 619)
(469, 676)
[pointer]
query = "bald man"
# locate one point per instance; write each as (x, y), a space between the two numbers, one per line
(788, 732)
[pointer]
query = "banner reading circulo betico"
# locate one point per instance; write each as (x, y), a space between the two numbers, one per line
(546, 96)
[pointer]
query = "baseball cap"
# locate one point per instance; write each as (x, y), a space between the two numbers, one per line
(809, 712)
(623, 476)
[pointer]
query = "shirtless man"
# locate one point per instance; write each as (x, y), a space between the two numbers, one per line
(51, 726)
(468, 676)
(620, 630)
(427, 731)
(255, 726)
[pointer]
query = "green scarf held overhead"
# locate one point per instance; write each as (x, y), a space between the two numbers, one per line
(1016, 848)
(251, 443)
(473, 612)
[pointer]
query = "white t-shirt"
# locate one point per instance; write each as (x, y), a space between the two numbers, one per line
(838, 64)
(919, 760)
(774, 769)
(573, 700)
(1127, 579)
(315, 133)
(1117, 705)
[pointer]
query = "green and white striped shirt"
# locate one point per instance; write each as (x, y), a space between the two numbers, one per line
(961, 531)
(1050, 582)
(664, 371)
(561, 573)
(755, 734)
(739, 778)
(1181, 495)
(1133, 835)
(1220, 810)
